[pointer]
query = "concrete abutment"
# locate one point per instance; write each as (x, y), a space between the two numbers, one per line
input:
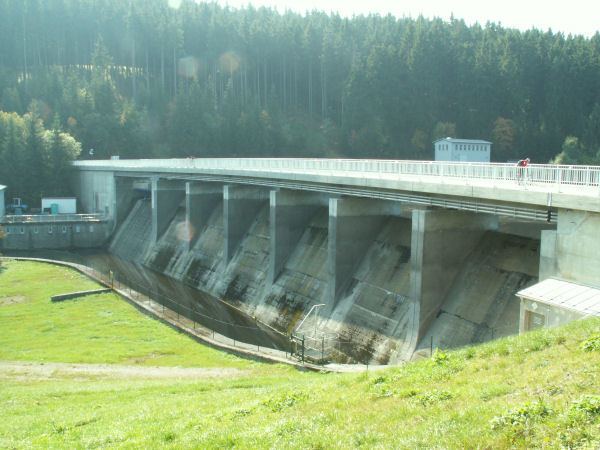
(572, 252)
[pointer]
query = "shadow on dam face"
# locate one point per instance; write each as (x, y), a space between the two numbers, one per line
(191, 303)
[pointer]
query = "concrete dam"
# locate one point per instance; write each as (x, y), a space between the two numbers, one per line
(391, 272)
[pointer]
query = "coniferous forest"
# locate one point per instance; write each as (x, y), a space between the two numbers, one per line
(138, 78)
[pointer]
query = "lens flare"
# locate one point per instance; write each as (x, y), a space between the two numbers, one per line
(229, 62)
(188, 67)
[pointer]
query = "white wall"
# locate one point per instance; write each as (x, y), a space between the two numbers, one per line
(65, 205)
(466, 152)
(96, 191)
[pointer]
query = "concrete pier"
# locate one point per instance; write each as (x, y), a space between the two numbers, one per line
(441, 240)
(572, 252)
(290, 214)
(166, 198)
(200, 201)
(353, 225)
(241, 205)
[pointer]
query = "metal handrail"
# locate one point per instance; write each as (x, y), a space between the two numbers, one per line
(51, 218)
(546, 174)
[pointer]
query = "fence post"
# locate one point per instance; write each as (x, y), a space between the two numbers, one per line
(302, 349)
(322, 349)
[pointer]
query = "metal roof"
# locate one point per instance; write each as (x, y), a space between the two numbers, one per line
(2, 187)
(463, 141)
(563, 294)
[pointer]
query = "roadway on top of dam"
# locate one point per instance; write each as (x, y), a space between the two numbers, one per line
(505, 189)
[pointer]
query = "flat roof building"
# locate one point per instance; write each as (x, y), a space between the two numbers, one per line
(462, 150)
(554, 302)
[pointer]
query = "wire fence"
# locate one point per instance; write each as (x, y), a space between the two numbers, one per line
(187, 316)
(318, 350)
(306, 344)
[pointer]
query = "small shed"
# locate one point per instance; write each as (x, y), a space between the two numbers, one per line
(554, 302)
(462, 150)
(2, 207)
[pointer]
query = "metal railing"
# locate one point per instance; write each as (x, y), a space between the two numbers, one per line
(51, 218)
(497, 173)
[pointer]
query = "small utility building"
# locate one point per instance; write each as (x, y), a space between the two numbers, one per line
(2, 207)
(462, 150)
(554, 302)
(59, 205)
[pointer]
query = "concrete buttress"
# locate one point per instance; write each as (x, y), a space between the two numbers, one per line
(440, 242)
(353, 225)
(289, 214)
(241, 205)
(166, 198)
(200, 201)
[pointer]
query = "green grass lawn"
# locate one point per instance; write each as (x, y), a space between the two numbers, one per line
(95, 329)
(537, 390)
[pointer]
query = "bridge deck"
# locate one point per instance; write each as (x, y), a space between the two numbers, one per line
(574, 187)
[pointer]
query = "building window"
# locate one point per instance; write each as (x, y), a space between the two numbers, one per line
(77, 228)
(534, 320)
(50, 229)
(64, 229)
(22, 231)
(91, 228)
(35, 230)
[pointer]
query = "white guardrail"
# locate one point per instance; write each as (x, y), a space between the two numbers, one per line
(52, 218)
(544, 174)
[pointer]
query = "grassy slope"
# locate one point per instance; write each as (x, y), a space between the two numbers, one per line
(96, 329)
(449, 401)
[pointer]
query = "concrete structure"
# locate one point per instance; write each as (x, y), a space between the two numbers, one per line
(2, 207)
(167, 196)
(290, 213)
(69, 232)
(400, 252)
(63, 205)
(240, 207)
(354, 224)
(201, 200)
(462, 150)
(553, 302)
(441, 240)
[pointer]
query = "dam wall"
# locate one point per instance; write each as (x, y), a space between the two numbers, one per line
(389, 276)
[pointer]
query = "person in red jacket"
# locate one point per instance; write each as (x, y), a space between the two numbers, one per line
(521, 165)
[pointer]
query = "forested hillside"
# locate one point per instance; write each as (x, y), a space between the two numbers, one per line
(139, 78)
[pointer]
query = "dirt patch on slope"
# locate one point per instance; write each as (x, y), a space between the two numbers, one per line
(34, 370)
(5, 301)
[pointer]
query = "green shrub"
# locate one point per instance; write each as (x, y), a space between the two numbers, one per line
(439, 356)
(592, 344)
(430, 398)
(522, 416)
(587, 406)
(285, 400)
